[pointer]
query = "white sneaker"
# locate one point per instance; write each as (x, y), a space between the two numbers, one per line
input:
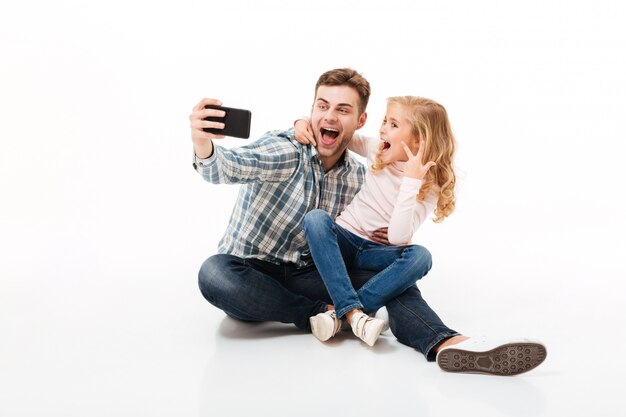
(382, 314)
(325, 325)
(482, 355)
(366, 328)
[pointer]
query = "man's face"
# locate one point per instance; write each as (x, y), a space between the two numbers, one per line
(334, 119)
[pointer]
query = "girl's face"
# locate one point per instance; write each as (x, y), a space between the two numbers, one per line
(394, 130)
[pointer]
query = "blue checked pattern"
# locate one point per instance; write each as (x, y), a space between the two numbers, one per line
(282, 180)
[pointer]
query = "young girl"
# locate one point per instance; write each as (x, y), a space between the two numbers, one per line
(399, 193)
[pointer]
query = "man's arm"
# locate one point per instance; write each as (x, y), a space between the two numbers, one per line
(273, 158)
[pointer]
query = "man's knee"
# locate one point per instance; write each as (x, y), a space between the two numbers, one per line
(213, 277)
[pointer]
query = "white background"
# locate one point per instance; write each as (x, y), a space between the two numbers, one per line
(104, 223)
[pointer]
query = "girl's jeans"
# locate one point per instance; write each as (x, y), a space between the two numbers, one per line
(255, 290)
(335, 250)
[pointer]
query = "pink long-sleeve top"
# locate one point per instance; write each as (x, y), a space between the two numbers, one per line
(386, 199)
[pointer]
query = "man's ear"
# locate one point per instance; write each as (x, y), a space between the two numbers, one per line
(362, 120)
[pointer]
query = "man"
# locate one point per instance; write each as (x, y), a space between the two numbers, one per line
(264, 272)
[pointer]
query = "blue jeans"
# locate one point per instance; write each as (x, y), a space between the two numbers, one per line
(334, 249)
(255, 290)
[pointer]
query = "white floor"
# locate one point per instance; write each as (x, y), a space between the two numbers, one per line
(137, 338)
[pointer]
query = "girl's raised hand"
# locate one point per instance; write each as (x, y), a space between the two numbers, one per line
(414, 167)
(303, 132)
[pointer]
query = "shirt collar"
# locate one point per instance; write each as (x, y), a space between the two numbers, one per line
(344, 160)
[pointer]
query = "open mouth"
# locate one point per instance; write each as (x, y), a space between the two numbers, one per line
(384, 145)
(328, 135)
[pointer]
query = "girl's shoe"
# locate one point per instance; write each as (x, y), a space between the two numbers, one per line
(325, 325)
(366, 328)
(382, 314)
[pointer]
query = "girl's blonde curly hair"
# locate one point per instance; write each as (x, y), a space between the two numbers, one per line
(429, 121)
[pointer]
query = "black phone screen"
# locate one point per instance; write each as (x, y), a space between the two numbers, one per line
(236, 122)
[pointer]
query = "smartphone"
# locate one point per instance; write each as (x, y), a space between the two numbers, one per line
(236, 122)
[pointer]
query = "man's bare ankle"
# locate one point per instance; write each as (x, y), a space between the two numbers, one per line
(451, 341)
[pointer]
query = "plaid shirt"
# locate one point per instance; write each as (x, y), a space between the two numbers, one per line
(282, 180)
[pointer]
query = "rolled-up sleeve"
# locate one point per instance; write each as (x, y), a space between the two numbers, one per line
(272, 158)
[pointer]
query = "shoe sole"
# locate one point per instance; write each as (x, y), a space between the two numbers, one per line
(507, 359)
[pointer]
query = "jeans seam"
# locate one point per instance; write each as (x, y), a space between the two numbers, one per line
(440, 336)
(371, 281)
(417, 316)
(348, 236)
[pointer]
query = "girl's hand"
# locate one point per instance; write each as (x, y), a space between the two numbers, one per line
(380, 236)
(304, 133)
(414, 167)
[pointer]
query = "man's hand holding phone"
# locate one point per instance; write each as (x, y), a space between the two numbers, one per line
(202, 144)
(215, 121)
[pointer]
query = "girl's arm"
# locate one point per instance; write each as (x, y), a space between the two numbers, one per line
(360, 144)
(303, 131)
(408, 213)
(304, 134)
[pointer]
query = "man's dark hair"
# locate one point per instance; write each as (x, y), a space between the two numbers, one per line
(350, 78)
